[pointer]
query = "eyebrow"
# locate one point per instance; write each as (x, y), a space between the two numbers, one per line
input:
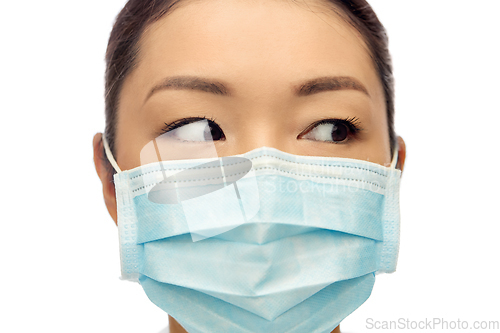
(191, 83)
(314, 86)
(330, 83)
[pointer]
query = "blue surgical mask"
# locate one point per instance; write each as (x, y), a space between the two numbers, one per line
(265, 241)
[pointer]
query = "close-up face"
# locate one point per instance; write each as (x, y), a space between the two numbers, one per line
(294, 76)
(216, 79)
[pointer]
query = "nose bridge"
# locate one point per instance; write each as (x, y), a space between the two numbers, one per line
(264, 123)
(258, 134)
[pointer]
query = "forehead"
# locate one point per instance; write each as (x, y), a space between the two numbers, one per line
(270, 42)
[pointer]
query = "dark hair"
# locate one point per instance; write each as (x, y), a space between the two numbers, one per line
(131, 22)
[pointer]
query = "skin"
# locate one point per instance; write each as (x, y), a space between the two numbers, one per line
(262, 66)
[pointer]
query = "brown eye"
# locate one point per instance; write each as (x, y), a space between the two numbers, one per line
(331, 130)
(213, 132)
(339, 132)
(194, 130)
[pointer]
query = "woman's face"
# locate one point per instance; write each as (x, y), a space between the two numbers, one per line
(284, 74)
(266, 72)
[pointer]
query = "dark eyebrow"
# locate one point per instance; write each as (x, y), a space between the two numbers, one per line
(191, 83)
(330, 83)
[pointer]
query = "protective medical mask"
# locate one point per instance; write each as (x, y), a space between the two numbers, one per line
(265, 241)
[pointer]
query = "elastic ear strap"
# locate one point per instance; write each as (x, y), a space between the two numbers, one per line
(395, 157)
(109, 155)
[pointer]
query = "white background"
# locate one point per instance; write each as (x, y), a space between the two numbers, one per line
(59, 247)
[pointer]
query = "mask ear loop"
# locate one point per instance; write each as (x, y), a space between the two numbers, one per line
(394, 161)
(109, 155)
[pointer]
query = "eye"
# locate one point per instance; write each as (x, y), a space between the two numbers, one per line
(194, 130)
(332, 130)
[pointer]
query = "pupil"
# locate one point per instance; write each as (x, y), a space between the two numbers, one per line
(339, 132)
(212, 133)
(216, 132)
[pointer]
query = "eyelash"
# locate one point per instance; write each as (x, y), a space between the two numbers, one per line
(184, 121)
(352, 123)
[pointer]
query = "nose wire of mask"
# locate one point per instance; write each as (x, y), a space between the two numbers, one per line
(294, 247)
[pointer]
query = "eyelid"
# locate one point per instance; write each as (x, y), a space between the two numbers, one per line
(352, 123)
(184, 121)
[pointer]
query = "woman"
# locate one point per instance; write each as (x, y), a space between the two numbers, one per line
(309, 78)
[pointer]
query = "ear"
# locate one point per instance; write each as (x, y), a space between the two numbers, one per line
(401, 154)
(105, 175)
